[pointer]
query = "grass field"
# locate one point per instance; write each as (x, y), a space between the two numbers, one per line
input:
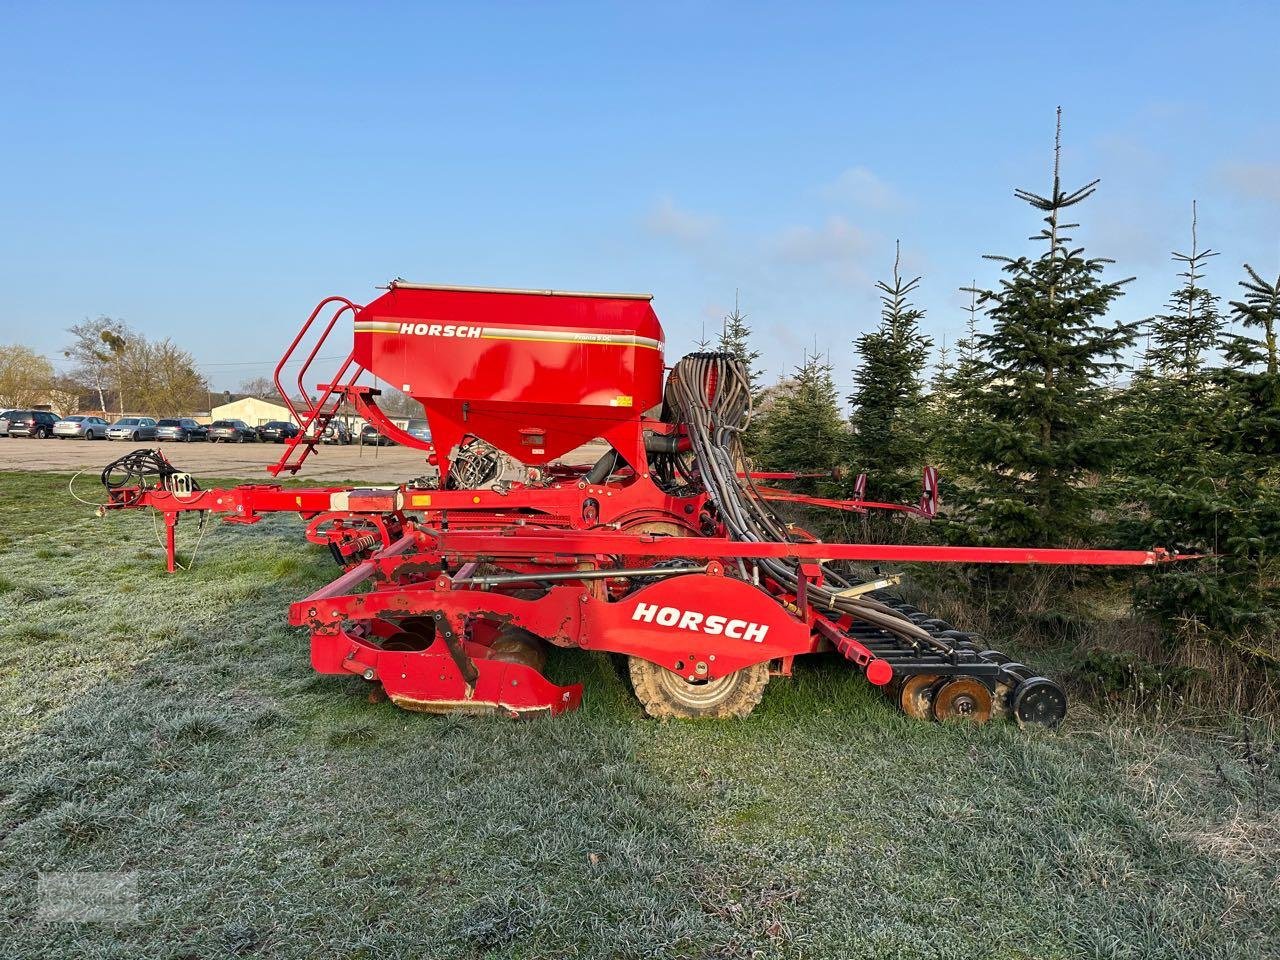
(172, 726)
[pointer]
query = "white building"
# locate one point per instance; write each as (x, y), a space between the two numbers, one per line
(252, 410)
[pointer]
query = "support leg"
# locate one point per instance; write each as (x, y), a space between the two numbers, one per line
(170, 531)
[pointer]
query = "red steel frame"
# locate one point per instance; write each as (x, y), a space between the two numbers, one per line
(411, 553)
(404, 561)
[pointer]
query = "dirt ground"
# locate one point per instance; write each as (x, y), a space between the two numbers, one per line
(246, 461)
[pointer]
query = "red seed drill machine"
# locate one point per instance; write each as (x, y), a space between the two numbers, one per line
(667, 550)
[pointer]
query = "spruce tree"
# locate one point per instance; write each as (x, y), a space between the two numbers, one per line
(954, 401)
(889, 415)
(1259, 308)
(966, 381)
(735, 338)
(803, 429)
(1168, 390)
(1181, 338)
(944, 371)
(1217, 491)
(1040, 396)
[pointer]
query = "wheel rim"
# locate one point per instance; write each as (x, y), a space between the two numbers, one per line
(699, 694)
(1039, 702)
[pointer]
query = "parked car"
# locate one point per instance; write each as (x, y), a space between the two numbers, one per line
(31, 423)
(370, 436)
(132, 428)
(86, 428)
(336, 432)
(277, 431)
(4, 421)
(181, 428)
(232, 431)
(418, 428)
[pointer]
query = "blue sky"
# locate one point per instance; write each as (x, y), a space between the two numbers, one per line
(210, 171)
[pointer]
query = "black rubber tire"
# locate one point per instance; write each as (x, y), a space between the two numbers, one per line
(135, 436)
(667, 695)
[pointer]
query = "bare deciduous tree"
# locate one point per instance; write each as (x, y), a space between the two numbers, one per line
(25, 377)
(96, 348)
(163, 377)
(259, 387)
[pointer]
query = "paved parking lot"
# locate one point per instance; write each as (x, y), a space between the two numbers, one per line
(242, 461)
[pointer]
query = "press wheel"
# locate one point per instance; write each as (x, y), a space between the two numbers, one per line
(1038, 701)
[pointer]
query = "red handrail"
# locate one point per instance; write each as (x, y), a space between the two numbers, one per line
(316, 408)
(347, 305)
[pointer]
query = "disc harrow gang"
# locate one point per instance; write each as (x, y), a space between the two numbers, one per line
(667, 550)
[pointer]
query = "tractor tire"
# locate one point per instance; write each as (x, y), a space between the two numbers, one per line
(667, 695)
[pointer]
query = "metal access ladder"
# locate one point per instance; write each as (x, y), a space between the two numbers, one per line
(316, 411)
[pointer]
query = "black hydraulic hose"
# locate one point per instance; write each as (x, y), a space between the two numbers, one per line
(710, 394)
(606, 465)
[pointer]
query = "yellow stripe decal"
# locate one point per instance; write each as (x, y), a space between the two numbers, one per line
(620, 342)
(531, 335)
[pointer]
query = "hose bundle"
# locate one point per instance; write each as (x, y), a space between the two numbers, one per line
(135, 467)
(710, 393)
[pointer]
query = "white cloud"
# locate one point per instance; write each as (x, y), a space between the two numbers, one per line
(861, 186)
(836, 245)
(668, 220)
(1254, 181)
(836, 240)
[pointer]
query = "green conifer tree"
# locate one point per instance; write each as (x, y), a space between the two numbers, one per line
(965, 390)
(1040, 398)
(1181, 338)
(1259, 308)
(803, 429)
(735, 338)
(1167, 392)
(944, 369)
(890, 428)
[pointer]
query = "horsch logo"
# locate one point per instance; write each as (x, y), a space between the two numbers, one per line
(713, 624)
(441, 330)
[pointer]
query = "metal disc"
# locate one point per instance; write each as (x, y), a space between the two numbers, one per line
(962, 698)
(916, 696)
(1040, 701)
